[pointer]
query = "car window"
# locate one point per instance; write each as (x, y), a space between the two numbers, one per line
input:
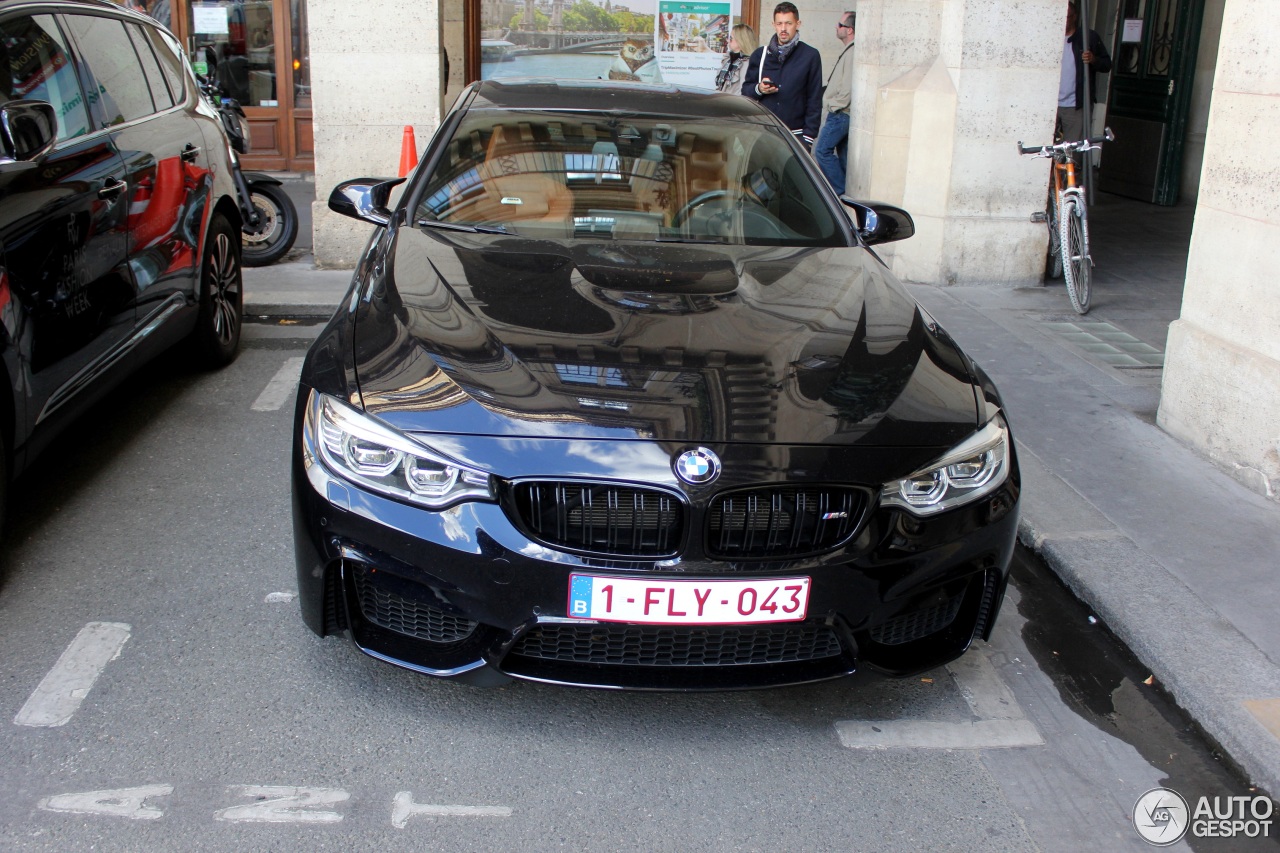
(150, 67)
(122, 87)
(35, 64)
(170, 56)
(583, 174)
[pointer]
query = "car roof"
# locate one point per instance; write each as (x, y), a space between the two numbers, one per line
(88, 4)
(612, 95)
(72, 5)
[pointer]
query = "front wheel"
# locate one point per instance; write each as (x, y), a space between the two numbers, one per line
(215, 341)
(277, 228)
(1077, 268)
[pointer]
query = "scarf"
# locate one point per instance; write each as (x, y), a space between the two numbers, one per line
(783, 50)
(730, 63)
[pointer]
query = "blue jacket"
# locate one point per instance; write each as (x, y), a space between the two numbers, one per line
(798, 101)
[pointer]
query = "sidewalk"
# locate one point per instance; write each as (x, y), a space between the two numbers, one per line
(1173, 555)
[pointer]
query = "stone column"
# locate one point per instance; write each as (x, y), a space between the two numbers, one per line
(1221, 388)
(376, 66)
(943, 89)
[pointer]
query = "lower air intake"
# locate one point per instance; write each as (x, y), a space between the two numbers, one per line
(663, 646)
(389, 608)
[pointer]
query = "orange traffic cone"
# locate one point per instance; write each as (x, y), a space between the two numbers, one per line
(408, 152)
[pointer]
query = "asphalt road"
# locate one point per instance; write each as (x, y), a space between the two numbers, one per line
(159, 692)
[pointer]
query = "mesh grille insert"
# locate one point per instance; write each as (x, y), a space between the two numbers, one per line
(652, 645)
(917, 623)
(602, 519)
(781, 521)
(393, 611)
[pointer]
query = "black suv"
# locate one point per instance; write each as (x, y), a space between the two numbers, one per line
(119, 231)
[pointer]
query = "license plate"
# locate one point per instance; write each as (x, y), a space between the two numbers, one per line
(678, 602)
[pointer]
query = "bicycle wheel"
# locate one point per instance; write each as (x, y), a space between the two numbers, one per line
(1053, 262)
(1077, 272)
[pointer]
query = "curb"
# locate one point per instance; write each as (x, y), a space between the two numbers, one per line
(1207, 666)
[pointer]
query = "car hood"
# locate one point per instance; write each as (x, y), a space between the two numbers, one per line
(506, 336)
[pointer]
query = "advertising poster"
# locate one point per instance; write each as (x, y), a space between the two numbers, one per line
(623, 40)
(692, 40)
(569, 39)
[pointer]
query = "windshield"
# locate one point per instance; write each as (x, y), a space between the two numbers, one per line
(583, 174)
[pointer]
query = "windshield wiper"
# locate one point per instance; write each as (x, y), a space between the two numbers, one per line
(459, 226)
(716, 241)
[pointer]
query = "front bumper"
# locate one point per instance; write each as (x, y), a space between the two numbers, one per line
(463, 593)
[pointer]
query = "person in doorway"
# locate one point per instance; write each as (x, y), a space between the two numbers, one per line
(742, 43)
(831, 149)
(786, 76)
(1075, 56)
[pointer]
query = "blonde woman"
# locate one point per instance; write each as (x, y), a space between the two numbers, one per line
(742, 43)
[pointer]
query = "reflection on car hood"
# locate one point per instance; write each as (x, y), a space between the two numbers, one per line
(503, 335)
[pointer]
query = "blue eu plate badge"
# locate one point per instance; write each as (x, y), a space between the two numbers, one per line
(580, 596)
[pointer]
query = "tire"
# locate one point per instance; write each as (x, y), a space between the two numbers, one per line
(277, 229)
(1077, 269)
(1053, 262)
(215, 341)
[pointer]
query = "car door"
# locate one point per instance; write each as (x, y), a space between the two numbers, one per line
(62, 232)
(166, 166)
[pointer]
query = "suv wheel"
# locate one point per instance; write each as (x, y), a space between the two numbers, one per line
(216, 337)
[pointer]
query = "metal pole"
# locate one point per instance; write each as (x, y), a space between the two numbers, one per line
(1087, 107)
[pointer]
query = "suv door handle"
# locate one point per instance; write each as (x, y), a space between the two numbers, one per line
(190, 152)
(112, 188)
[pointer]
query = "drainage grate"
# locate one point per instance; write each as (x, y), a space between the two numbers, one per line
(1109, 344)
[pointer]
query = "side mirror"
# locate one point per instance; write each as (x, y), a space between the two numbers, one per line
(878, 222)
(28, 130)
(364, 199)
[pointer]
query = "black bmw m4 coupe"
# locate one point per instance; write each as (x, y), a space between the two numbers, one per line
(622, 397)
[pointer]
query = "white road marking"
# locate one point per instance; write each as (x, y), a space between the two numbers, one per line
(121, 802)
(283, 804)
(280, 597)
(1000, 721)
(982, 687)
(923, 734)
(280, 388)
(64, 687)
(404, 807)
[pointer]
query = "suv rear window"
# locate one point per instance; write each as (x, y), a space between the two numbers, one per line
(151, 67)
(122, 87)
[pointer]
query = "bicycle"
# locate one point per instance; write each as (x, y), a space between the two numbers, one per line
(1067, 217)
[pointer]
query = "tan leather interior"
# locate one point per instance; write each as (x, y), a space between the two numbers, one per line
(521, 182)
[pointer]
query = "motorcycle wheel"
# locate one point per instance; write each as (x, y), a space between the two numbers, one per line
(277, 226)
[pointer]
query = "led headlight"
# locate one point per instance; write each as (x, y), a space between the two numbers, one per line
(975, 467)
(375, 457)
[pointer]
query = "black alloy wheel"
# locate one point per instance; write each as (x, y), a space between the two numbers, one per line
(216, 337)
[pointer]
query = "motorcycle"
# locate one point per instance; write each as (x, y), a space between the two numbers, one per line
(270, 218)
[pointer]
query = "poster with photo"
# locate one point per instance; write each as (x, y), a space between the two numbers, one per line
(692, 40)
(569, 39)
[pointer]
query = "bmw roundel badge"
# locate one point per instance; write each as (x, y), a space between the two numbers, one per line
(697, 467)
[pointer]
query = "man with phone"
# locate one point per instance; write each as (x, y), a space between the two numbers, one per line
(786, 76)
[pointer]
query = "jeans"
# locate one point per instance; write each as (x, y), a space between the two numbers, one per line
(831, 149)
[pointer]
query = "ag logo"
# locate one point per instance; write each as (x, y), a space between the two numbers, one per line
(697, 467)
(1161, 816)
